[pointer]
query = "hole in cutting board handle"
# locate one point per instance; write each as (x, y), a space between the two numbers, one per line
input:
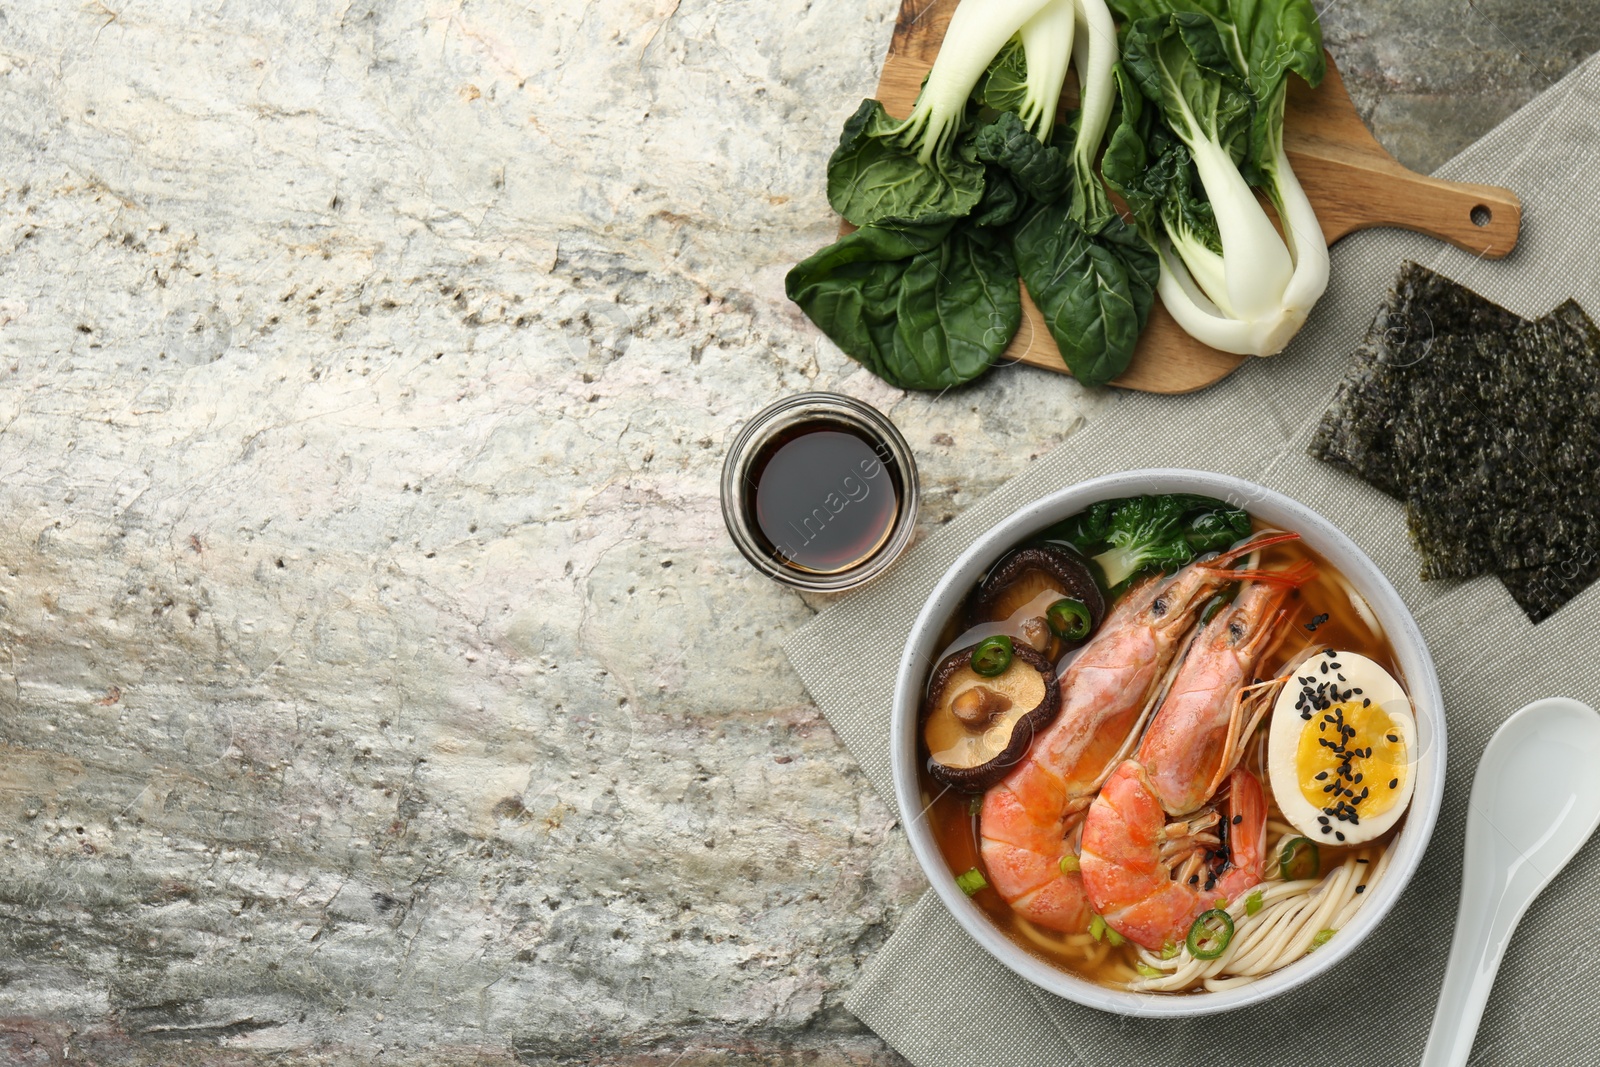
(1481, 215)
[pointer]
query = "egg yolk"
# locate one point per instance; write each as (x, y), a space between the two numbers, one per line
(1352, 754)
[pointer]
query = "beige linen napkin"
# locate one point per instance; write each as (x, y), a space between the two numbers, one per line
(941, 1000)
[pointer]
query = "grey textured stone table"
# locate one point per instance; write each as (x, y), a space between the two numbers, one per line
(377, 683)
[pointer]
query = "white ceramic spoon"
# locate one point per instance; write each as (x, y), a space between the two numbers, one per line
(1535, 800)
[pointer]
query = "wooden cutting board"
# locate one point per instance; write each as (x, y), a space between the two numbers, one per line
(1352, 182)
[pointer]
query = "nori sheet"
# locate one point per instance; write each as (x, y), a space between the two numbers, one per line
(1487, 426)
(1357, 431)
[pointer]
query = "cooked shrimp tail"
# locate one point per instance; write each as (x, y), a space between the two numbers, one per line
(1142, 888)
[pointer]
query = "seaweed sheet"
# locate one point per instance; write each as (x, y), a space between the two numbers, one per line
(1357, 432)
(1501, 447)
(1488, 427)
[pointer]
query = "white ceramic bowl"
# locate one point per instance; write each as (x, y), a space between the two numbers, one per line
(1277, 510)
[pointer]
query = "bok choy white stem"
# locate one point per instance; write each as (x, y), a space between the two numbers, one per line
(977, 32)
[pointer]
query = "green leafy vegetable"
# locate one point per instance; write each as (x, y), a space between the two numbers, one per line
(872, 176)
(1214, 73)
(1094, 294)
(1129, 535)
(1039, 170)
(978, 181)
(921, 305)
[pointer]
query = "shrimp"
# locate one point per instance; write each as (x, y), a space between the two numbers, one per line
(1142, 874)
(1028, 818)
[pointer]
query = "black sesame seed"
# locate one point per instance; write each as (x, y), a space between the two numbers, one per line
(1324, 667)
(1327, 829)
(1237, 819)
(1361, 889)
(1339, 834)
(1322, 776)
(1392, 737)
(1394, 783)
(1366, 702)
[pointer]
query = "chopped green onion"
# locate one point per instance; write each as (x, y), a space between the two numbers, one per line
(1168, 950)
(1069, 863)
(1210, 934)
(1114, 939)
(992, 656)
(1299, 859)
(1069, 619)
(1148, 971)
(1097, 928)
(972, 881)
(975, 804)
(1322, 938)
(1252, 903)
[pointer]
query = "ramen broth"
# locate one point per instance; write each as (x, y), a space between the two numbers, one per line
(954, 819)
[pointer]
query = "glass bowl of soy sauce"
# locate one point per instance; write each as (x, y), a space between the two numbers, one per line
(819, 491)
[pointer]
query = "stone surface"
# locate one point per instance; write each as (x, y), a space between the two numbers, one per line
(377, 683)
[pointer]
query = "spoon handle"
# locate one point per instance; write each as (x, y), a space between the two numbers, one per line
(1475, 955)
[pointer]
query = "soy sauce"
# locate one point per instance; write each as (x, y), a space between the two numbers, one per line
(824, 497)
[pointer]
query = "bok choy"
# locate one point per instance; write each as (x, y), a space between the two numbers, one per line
(1188, 160)
(980, 183)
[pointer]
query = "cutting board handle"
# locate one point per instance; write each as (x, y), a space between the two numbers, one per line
(1359, 185)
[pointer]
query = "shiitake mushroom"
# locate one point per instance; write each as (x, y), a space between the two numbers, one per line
(1019, 578)
(976, 727)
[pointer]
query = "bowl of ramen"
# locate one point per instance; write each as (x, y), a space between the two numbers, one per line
(1167, 743)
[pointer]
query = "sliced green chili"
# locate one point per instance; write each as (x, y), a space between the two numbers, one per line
(1210, 934)
(1299, 859)
(1069, 619)
(992, 656)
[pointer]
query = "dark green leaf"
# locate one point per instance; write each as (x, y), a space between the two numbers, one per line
(1083, 288)
(1042, 171)
(1002, 201)
(1004, 85)
(871, 176)
(922, 306)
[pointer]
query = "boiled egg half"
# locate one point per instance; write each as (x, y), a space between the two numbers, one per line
(1341, 753)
